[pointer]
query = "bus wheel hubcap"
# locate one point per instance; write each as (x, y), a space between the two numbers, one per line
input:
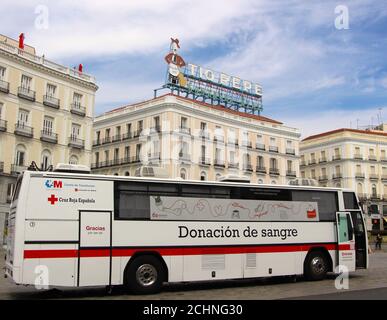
(318, 265)
(146, 275)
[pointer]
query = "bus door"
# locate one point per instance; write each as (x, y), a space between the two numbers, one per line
(94, 254)
(346, 240)
(361, 244)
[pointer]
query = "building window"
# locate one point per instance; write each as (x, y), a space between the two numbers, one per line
(96, 157)
(48, 125)
(260, 181)
(50, 90)
(203, 176)
(77, 99)
(1, 109)
(127, 173)
(183, 123)
(106, 155)
(118, 131)
(290, 165)
(75, 131)
(273, 163)
(46, 159)
(273, 182)
(183, 174)
(127, 152)
(73, 160)
(26, 82)
(20, 156)
(23, 118)
(138, 151)
(2, 73)
(374, 191)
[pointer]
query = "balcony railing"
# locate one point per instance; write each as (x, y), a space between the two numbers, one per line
(383, 159)
(247, 167)
(154, 156)
(232, 141)
(384, 177)
(375, 196)
(290, 151)
(358, 156)
(77, 109)
(322, 160)
(323, 177)
(4, 86)
(106, 140)
(96, 142)
(51, 102)
(23, 130)
(372, 157)
(204, 134)
(127, 136)
(273, 149)
(219, 163)
(75, 142)
(204, 161)
(184, 130)
(359, 175)
(26, 93)
(17, 169)
(3, 125)
(337, 176)
(247, 144)
(290, 173)
(274, 171)
(218, 138)
(116, 138)
(232, 165)
(137, 133)
(302, 163)
(260, 169)
(373, 176)
(260, 146)
(48, 136)
(156, 128)
(184, 156)
(312, 161)
(1, 166)
(336, 157)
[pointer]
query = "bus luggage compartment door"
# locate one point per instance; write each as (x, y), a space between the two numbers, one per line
(345, 240)
(94, 258)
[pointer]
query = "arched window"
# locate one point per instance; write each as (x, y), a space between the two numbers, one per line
(203, 176)
(46, 159)
(127, 173)
(273, 182)
(374, 191)
(20, 155)
(260, 181)
(338, 185)
(183, 173)
(73, 160)
(273, 163)
(218, 175)
(116, 174)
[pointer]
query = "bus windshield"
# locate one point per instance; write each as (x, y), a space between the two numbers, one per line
(17, 188)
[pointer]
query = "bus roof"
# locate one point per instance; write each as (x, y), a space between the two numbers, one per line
(179, 181)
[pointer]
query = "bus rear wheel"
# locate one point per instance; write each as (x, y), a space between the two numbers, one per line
(316, 266)
(145, 275)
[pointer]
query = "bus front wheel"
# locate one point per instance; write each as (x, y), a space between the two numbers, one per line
(316, 266)
(145, 275)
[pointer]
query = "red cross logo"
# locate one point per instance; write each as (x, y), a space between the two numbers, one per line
(52, 199)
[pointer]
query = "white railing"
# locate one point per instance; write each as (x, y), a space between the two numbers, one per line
(47, 63)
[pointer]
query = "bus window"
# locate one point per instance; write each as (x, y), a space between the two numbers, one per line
(350, 201)
(132, 206)
(262, 194)
(327, 202)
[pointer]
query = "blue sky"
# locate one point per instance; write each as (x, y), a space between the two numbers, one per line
(314, 76)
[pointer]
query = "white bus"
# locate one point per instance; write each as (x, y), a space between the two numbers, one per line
(96, 230)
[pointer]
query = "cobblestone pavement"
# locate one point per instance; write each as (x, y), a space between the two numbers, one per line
(273, 288)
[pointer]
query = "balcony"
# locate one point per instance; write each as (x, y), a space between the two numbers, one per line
(373, 176)
(290, 173)
(219, 163)
(129, 160)
(106, 140)
(218, 138)
(312, 161)
(372, 157)
(233, 141)
(204, 134)
(260, 146)
(383, 159)
(116, 138)
(247, 167)
(232, 165)
(77, 109)
(184, 156)
(4, 86)
(336, 157)
(3, 125)
(375, 196)
(96, 142)
(184, 130)
(23, 130)
(51, 102)
(273, 149)
(154, 156)
(247, 144)
(336, 176)
(359, 175)
(291, 151)
(26, 93)
(358, 156)
(204, 161)
(48, 136)
(17, 169)
(1, 166)
(322, 160)
(75, 142)
(156, 128)
(384, 177)
(323, 177)
(303, 163)
(274, 171)
(260, 169)
(137, 133)
(127, 136)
